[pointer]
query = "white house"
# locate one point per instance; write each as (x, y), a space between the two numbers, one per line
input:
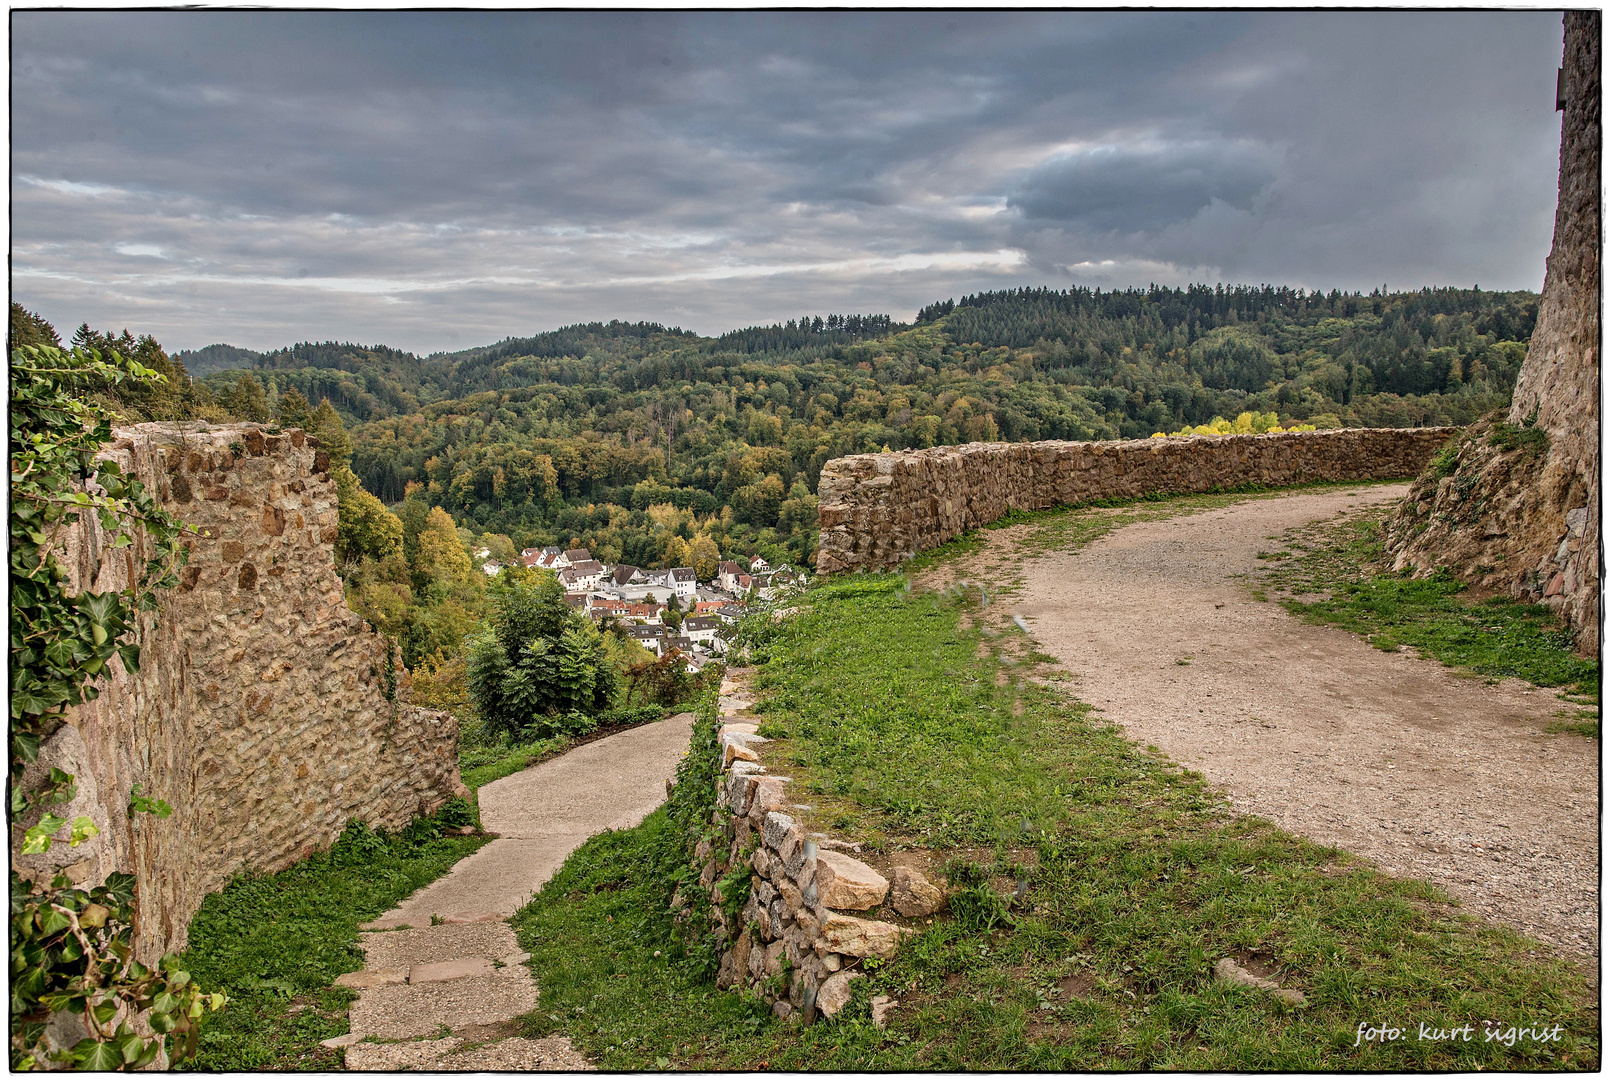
(681, 579)
(701, 630)
(582, 576)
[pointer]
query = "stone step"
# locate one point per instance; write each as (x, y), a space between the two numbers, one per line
(412, 1011)
(405, 949)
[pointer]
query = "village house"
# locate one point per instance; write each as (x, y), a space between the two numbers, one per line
(582, 575)
(548, 558)
(682, 579)
(624, 575)
(650, 637)
(701, 630)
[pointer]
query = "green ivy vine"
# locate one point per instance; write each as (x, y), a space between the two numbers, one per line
(71, 949)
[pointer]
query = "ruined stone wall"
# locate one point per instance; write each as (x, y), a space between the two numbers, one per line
(793, 942)
(877, 510)
(264, 711)
(1529, 523)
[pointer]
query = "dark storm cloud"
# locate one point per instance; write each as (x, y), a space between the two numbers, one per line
(1134, 188)
(435, 179)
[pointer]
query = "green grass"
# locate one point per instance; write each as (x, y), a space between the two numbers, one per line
(479, 766)
(905, 728)
(274, 943)
(1497, 637)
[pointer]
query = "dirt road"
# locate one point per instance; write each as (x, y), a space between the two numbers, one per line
(1429, 773)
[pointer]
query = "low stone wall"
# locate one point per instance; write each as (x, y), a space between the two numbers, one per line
(877, 510)
(793, 943)
(264, 710)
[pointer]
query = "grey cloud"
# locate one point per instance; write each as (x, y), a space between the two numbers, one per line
(487, 173)
(1135, 187)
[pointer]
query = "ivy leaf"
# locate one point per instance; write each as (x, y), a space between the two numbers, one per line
(83, 829)
(51, 921)
(36, 841)
(97, 1056)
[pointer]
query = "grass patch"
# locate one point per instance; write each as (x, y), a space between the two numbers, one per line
(895, 724)
(1499, 636)
(1586, 728)
(275, 942)
(480, 765)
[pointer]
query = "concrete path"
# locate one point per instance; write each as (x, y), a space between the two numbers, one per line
(444, 980)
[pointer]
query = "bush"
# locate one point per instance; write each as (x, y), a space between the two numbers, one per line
(535, 660)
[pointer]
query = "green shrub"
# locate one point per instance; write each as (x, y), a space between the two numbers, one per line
(535, 661)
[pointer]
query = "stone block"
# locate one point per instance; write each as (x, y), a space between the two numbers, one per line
(851, 936)
(846, 883)
(363, 980)
(914, 895)
(776, 827)
(834, 994)
(448, 970)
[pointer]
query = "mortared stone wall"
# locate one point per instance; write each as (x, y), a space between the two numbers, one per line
(264, 711)
(877, 510)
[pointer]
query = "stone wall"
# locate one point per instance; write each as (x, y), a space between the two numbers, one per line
(877, 510)
(264, 711)
(1529, 524)
(793, 942)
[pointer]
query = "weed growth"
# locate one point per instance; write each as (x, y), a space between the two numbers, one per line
(1499, 636)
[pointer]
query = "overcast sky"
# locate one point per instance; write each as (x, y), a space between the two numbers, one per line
(441, 180)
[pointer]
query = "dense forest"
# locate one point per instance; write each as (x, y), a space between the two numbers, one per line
(633, 439)
(574, 434)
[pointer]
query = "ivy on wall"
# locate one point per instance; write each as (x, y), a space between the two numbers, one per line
(71, 949)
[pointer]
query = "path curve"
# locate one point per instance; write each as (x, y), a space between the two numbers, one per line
(1431, 774)
(446, 957)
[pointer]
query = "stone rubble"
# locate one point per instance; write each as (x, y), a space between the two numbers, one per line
(914, 895)
(1231, 972)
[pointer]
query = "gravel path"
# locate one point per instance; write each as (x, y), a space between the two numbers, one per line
(444, 981)
(1428, 773)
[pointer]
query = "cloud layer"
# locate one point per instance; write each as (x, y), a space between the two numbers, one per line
(438, 180)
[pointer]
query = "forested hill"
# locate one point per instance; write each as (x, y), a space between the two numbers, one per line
(574, 434)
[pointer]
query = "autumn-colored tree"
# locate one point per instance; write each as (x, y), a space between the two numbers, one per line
(706, 557)
(364, 527)
(438, 555)
(676, 552)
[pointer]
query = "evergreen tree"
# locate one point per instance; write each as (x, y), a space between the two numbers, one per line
(326, 426)
(294, 411)
(29, 329)
(247, 401)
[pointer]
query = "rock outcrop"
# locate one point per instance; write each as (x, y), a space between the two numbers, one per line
(1516, 507)
(264, 711)
(878, 510)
